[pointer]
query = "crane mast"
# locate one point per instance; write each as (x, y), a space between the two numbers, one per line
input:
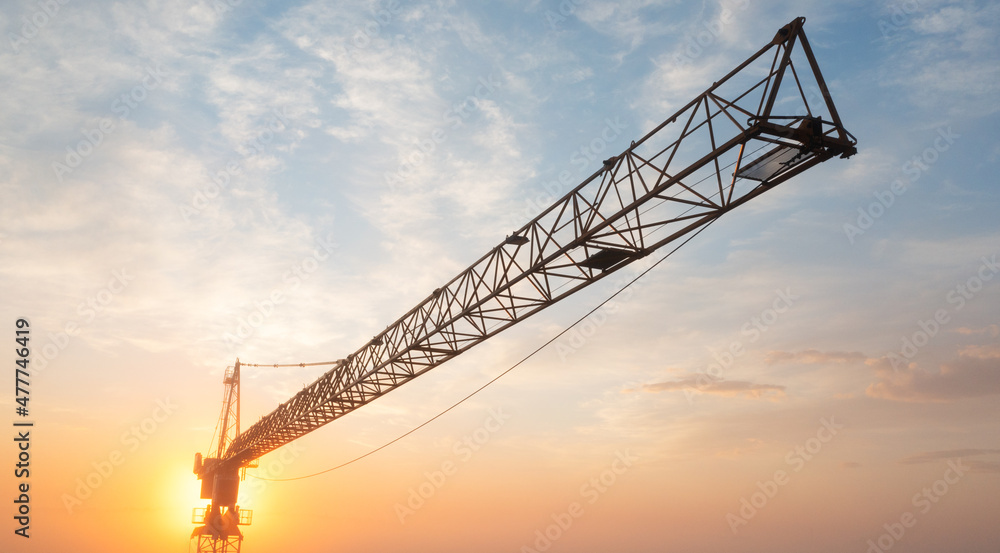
(769, 119)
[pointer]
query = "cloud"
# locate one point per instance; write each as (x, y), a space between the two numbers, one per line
(118, 210)
(945, 59)
(931, 456)
(814, 357)
(717, 386)
(988, 351)
(991, 330)
(626, 22)
(431, 140)
(975, 373)
(982, 466)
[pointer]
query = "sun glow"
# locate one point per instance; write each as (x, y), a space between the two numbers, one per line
(179, 492)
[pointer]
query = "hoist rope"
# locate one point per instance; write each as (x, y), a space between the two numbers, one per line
(499, 376)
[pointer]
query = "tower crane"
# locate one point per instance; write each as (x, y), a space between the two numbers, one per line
(766, 121)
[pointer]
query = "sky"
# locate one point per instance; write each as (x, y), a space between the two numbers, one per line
(184, 183)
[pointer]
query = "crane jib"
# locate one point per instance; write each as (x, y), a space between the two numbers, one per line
(769, 119)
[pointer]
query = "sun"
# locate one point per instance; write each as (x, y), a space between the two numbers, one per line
(179, 491)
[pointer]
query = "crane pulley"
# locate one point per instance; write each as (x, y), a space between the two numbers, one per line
(767, 120)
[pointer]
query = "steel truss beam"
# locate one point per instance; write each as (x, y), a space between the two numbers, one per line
(229, 421)
(209, 544)
(768, 120)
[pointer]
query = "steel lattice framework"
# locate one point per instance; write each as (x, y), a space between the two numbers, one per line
(768, 120)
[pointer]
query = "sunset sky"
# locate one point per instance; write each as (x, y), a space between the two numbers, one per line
(169, 167)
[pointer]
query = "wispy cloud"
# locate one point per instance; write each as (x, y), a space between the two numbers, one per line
(932, 456)
(814, 357)
(991, 330)
(118, 209)
(719, 387)
(967, 376)
(981, 466)
(433, 142)
(944, 58)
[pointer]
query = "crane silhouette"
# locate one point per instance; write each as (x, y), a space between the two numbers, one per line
(766, 121)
